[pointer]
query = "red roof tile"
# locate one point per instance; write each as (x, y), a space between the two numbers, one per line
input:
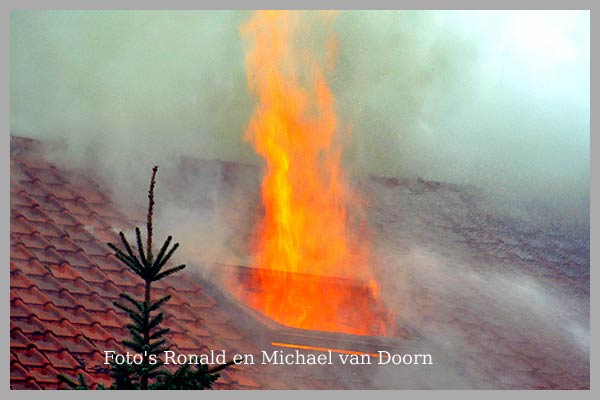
(18, 372)
(31, 357)
(62, 360)
(77, 344)
(19, 224)
(33, 188)
(49, 202)
(45, 375)
(63, 328)
(19, 280)
(62, 298)
(46, 342)
(32, 213)
(18, 340)
(31, 266)
(46, 312)
(47, 255)
(62, 217)
(75, 286)
(31, 295)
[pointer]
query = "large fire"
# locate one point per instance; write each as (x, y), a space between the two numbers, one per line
(306, 227)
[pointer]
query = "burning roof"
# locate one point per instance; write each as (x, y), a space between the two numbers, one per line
(63, 282)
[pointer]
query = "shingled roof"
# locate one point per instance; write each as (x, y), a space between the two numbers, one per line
(63, 280)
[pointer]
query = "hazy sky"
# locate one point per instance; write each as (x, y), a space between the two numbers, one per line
(498, 99)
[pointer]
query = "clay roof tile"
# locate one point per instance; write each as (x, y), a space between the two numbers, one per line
(17, 371)
(63, 328)
(18, 309)
(62, 360)
(46, 341)
(247, 379)
(33, 213)
(49, 229)
(47, 256)
(20, 198)
(77, 344)
(106, 235)
(76, 259)
(62, 192)
(34, 240)
(94, 332)
(62, 298)
(78, 232)
(18, 279)
(28, 384)
(62, 217)
(109, 318)
(44, 375)
(31, 295)
(108, 262)
(31, 266)
(19, 224)
(31, 357)
(18, 340)
(49, 202)
(29, 325)
(47, 312)
(64, 271)
(92, 247)
(34, 188)
(77, 285)
(110, 291)
(93, 302)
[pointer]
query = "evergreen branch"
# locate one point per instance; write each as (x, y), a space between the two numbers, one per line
(82, 381)
(131, 314)
(162, 251)
(158, 265)
(133, 346)
(117, 250)
(160, 302)
(127, 247)
(145, 312)
(169, 272)
(133, 301)
(64, 379)
(135, 330)
(136, 336)
(132, 263)
(156, 347)
(159, 333)
(122, 307)
(138, 236)
(155, 321)
(220, 367)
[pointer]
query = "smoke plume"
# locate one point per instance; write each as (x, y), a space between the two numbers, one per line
(499, 100)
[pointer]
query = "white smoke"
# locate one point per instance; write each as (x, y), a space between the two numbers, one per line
(495, 99)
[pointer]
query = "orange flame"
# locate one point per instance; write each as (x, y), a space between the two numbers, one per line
(306, 228)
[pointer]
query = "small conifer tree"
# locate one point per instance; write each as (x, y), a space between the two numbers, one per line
(147, 335)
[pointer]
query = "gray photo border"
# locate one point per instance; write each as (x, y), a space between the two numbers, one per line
(8, 5)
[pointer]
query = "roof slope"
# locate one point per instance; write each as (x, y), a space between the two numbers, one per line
(63, 280)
